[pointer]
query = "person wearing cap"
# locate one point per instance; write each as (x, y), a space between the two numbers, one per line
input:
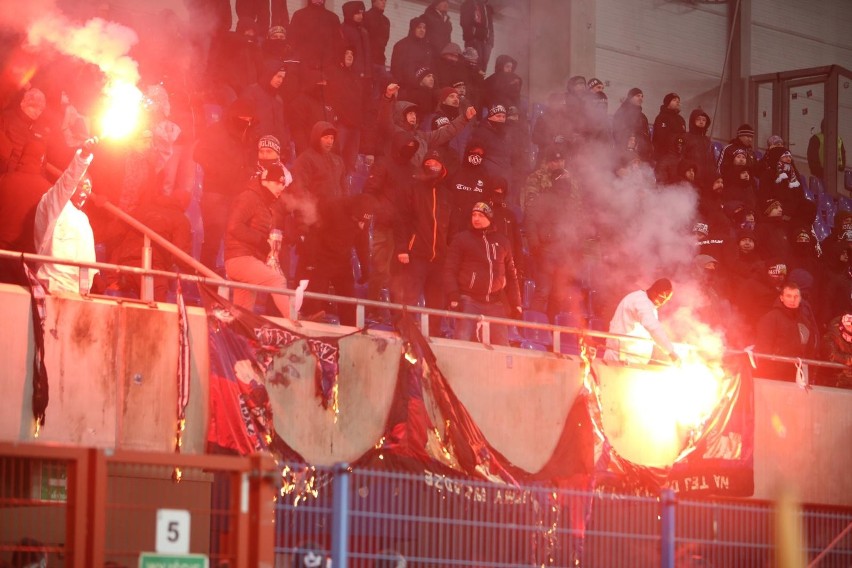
(541, 181)
(421, 93)
(411, 53)
(439, 28)
(837, 348)
(480, 276)
(504, 85)
(495, 136)
(744, 140)
(637, 316)
(745, 263)
(252, 219)
(276, 46)
(630, 128)
(477, 23)
(739, 180)
(669, 139)
(62, 228)
(787, 329)
(421, 237)
(326, 259)
(318, 170)
(773, 231)
(403, 116)
(754, 296)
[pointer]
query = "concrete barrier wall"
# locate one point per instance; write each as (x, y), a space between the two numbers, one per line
(112, 370)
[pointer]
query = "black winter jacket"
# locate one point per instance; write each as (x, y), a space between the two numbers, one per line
(480, 265)
(252, 217)
(423, 218)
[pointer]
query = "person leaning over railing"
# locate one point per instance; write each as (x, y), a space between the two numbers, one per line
(62, 229)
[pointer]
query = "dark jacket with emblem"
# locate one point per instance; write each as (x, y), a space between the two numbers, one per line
(252, 218)
(480, 265)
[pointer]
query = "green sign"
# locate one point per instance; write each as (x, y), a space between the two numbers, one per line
(153, 560)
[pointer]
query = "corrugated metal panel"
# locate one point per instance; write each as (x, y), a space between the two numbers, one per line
(661, 47)
(790, 34)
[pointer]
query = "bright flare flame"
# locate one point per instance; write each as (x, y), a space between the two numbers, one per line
(122, 110)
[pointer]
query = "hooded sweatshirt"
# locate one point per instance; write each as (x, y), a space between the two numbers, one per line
(503, 87)
(410, 54)
(317, 172)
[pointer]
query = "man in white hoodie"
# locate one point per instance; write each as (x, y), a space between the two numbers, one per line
(636, 316)
(62, 229)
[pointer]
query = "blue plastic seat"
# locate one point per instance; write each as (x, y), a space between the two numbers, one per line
(826, 208)
(532, 345)
(527, 293)
(845, 204)
(758, 155)
(717, 150)
(821, 230)
(816, 185)
(569, 343)
(540, 336)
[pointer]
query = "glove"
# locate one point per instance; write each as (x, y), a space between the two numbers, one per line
(454, 306)
(795, 183)
(559, 140)
(781, 177)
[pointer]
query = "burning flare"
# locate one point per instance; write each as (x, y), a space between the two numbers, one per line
(123, 109)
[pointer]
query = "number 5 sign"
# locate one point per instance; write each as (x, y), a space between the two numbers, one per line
(172, 531)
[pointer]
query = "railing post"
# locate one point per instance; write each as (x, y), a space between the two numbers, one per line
(147, 294)
(340, 516)
(667, 528)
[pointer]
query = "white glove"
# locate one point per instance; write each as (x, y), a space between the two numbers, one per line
(781, 177)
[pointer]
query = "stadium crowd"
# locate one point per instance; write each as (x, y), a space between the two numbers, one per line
(405, 171)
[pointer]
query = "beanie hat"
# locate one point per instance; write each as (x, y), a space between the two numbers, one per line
(446, 92)
(276, 30)
(576, 80)
(803, 236)
(745, 234)
(451, 49)
(458, 84)
(594, 82)
(421, 73)
(745, 130)
(470, 55)
(269, 141)
(432, 155)
(669, 98)
(774, 140)
(553, 153)
(769, 204)
(501, 183)
(701, 228)
(439, 122)
(485, 209)
(496, 109)
(633, 92)
(776, 268)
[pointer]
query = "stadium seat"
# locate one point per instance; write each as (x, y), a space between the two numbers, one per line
(845, 204)
(527, 293)
(568, 342)
(527, 344)
(717, 150)
(809, 195)
(821, 230)
(540, 336)
(816, 185)
(826, 208)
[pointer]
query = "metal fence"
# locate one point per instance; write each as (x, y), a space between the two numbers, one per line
(359, 518)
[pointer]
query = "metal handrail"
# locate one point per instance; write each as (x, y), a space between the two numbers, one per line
(361, 304)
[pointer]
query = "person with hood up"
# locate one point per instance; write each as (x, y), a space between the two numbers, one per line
(636, 315)
(421, 236)
(17, 127)
(504, 85)
(347, 95)
(403, 117)
(837, 348)
(315, 35)
(266, 107)
(439, 28)
(221, 154)
(630, 127)
(773, 231)
(449, 67)
(248, 239)
(480, 276)
(389, 179)
(787, 329)
(411, 53)
(468, 186)
(669, 139)
(318, 171)
(326, 260)
(62, 229)
(506, 221)
(356, 37)
(698, 148)
(739, 180)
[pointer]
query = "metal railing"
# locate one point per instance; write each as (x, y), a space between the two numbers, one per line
(377, 518)
(423, 313)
